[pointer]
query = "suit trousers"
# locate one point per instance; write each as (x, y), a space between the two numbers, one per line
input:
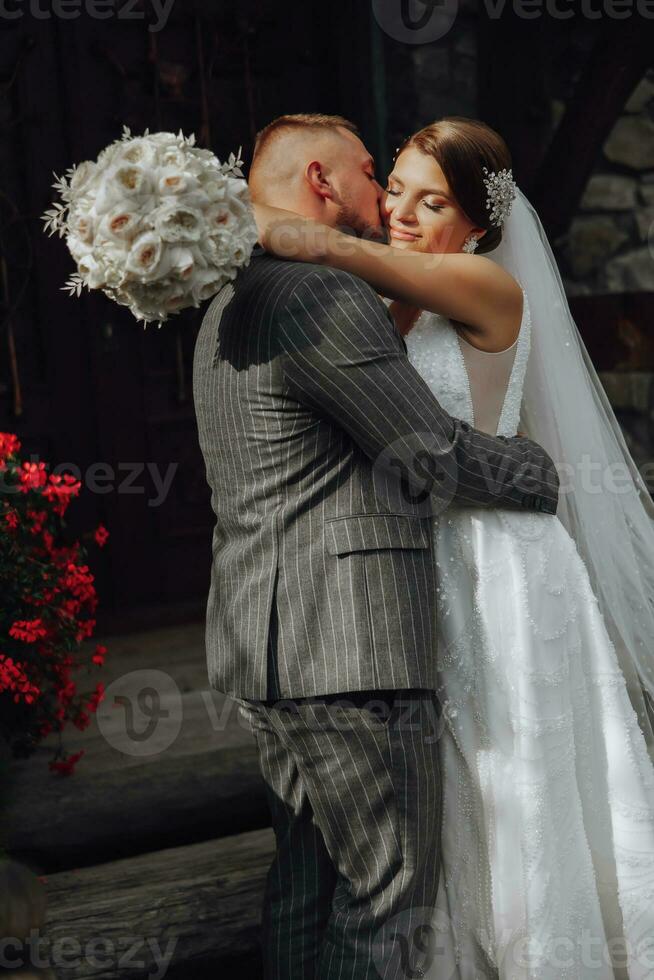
(354, 788)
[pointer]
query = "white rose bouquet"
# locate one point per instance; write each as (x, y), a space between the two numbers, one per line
(156, 223)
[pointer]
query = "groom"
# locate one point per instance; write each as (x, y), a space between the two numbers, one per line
(327, 456)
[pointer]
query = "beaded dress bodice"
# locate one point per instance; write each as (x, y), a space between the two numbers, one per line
(482, 388)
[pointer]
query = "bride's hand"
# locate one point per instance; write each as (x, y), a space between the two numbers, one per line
(289, 235)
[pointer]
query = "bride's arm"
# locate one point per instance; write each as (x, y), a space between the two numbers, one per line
(459, 286)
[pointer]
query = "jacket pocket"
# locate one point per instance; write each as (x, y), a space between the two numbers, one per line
(369, 532)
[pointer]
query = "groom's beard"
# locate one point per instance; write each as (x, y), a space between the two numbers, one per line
(349, 220)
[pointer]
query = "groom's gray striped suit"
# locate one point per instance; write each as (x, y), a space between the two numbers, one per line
(326, 454)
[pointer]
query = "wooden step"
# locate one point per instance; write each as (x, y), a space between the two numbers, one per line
(56, 823)
(194, 778)
(197, 907)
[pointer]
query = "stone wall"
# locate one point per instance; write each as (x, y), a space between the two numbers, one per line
(610, 244)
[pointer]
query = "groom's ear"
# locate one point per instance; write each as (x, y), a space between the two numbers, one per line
(318, 182)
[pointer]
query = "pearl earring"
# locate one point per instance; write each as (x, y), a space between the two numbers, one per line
(470, 244)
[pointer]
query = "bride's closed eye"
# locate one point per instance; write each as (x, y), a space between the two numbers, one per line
(432, 207)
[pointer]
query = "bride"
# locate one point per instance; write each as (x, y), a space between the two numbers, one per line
(545, 624)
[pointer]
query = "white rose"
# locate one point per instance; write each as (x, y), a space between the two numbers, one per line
(171, 156)
(175, 222)
(92, 271)
(173, 180)
(178, 299)
(215, 189)
(199, 253)
(137, 151)
(144, 256)
(163, 139)
(107, 156)
(76, 246)
(219, 218)
(156, 303)
(107, 196)
(240, 252)
(144, 299)
(112, 258)
(197, 200)
(206, 283)
(240, 208)
(237, 188)
(232, 216)
(132, 180)
(205, 156)
(177, 263)
(83, 226)
(121, 223)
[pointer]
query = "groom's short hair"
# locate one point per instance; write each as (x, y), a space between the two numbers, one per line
(284, 125)
(266, 161)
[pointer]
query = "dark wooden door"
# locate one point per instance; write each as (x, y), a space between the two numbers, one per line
(86, 385)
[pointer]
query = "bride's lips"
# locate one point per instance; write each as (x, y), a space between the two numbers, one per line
(404, 236)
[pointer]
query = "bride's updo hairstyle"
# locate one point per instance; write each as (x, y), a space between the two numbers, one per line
(462, 147)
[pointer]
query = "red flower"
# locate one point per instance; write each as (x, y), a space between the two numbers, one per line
(32, 476)
(66, 766)
(14, 679)
(61, 489)
(27, 630)
(39, 518)
(101, 534)
(67, 691)
(49, 603)
(96, 697)
(9, 445)
(99, 655)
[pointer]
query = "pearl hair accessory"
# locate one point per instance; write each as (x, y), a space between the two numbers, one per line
(470, 244)
(501, 189)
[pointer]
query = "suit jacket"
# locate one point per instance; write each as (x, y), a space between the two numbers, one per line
(327, 457)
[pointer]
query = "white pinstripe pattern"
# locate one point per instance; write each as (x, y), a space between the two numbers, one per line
(356, 805)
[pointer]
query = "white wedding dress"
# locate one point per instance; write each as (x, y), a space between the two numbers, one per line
(548, 786)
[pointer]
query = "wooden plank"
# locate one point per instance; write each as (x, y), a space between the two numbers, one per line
(94, 817)
(194, 777)
(199, 906)
(199, 719)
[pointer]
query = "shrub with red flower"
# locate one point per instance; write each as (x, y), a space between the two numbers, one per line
(47, 609)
